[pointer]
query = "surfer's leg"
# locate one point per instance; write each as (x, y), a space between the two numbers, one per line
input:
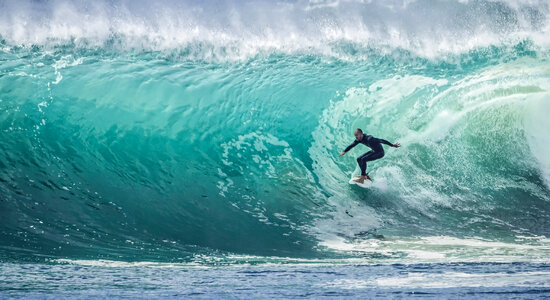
(369, 156)
(374, 156)
(362, 161)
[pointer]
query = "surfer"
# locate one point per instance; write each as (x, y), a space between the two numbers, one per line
(377, 152)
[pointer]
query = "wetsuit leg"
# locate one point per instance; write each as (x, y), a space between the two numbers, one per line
(369, 156)
(363, 162)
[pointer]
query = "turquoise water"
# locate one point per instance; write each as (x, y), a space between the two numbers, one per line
(205, 136)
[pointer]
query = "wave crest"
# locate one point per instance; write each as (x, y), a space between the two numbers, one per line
(234, 30)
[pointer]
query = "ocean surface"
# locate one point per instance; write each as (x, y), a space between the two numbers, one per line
(153, 149)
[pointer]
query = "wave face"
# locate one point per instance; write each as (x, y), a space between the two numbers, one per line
(135, 131)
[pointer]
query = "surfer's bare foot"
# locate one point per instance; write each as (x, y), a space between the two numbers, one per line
(360, 179)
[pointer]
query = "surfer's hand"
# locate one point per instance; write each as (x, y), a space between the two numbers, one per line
(396, 145)
(342, 153)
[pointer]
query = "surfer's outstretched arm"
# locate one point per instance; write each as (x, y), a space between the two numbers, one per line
(349, 147)
(383, 141)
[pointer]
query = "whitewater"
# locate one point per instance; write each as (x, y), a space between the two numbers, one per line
(197, 142)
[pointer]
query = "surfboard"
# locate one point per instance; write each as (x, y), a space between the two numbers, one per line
(366, 184)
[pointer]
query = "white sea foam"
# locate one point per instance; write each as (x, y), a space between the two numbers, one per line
(446, 249)
(537, 124)
(431, 249)
(240, 29)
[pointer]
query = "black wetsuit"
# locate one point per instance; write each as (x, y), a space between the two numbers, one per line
(377, 150)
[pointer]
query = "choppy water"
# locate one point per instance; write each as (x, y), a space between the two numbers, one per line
(187, 133)
(101, 279)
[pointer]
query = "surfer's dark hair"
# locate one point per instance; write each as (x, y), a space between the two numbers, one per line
(359, 129)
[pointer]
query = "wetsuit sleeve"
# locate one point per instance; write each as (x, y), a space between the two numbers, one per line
(351, 145)
(383, 141)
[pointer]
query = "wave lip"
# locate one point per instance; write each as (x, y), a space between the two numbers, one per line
(238, 30)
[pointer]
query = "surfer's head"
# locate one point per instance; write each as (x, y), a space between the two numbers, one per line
(358, 134)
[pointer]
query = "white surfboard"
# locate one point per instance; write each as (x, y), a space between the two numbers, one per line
(366, 184)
